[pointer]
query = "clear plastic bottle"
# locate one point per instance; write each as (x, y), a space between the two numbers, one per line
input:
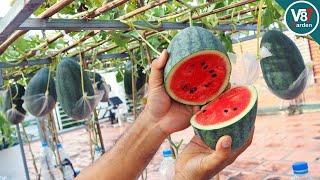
(300, 171)
(167, 165)
(66, 166)
(47, 164)
(97, 152)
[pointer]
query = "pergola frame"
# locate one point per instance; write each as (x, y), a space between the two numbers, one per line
(19, 22)
(88, 23)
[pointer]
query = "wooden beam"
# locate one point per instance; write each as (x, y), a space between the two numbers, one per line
(47, 13)
(126, 16)
(65, 49)
(143, 9)
(20, 11)
(88, 48)
(104, 8)
(34, 62)
(215, 11)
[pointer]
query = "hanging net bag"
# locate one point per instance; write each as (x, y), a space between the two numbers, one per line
(40, 97)
(284, 70)
(75, 91)
(99, 84)
(12, 103)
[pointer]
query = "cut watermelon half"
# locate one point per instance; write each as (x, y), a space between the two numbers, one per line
(198, 68)
(232, 113)
(199, 78)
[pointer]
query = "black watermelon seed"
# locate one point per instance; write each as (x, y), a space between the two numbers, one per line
(226, 110)
(185, 88)
(214, 75)
(206, 85)
(203, 63)
(211, 71)
(192, 90)
(235, 109)
(204, 111)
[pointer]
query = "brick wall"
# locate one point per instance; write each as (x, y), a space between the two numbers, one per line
(315, 54)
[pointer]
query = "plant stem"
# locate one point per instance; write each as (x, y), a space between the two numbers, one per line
(259, 27)
(30, 149)
(81, 73)
(133, 83)
(151, 47)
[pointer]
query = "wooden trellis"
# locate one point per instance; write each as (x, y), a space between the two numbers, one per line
(89, 23)
(18, 22)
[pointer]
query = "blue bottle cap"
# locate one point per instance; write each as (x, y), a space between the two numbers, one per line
(167, 153)
(300, 167)
(44, 144)
(59, 145)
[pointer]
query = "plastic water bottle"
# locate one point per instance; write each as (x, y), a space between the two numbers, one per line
(66, 166)
(97, 152)
(46, 162)
(167, 165)
(300, 171)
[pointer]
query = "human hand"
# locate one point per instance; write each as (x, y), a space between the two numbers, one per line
(171, 115)
(198, 161)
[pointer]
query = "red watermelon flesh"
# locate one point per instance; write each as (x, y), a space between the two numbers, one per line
(227, 106)
(199, 77)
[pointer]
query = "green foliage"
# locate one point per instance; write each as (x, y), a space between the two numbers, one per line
(226, 41)
(120, 39)
(6, 139)
(169, 11)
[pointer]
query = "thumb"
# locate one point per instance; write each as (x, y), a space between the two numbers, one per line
(216, 161)
(156, 75)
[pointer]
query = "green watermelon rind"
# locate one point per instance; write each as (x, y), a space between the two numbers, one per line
(189, 42)
(284, 66)
(239, 127)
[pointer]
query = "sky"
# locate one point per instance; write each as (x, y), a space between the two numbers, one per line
(5, 6)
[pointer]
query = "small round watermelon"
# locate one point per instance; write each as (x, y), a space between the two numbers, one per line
(233, 113)
(198, 68)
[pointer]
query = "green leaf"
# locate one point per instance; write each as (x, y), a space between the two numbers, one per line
(119, 76)
(119, 39)
(219, 5)
(226, 41)
(267, 18)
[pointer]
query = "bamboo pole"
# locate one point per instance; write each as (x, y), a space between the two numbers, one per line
(99, 131)
(215, 11)
(143, 9)
(126, 16)
(104, 8)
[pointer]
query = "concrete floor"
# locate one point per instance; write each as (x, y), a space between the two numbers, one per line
(278, 142)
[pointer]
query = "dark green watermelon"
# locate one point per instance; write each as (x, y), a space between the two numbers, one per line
(37, 102)
(198, 68)
(282, 71)
(140, 79)
(15, 108)
(69, 91)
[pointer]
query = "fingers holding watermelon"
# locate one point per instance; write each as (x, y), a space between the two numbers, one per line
(199, 161)
(172, 116)
(156, 76)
